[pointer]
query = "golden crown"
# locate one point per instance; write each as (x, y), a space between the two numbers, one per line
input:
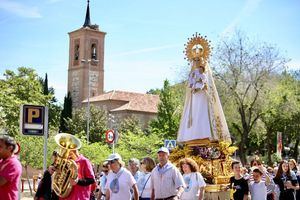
(197, 50)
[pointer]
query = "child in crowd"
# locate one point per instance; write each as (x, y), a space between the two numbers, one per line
(238, 183)
(258, 189)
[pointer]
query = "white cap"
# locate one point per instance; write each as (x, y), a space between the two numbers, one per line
(163, 149)
(114, 156)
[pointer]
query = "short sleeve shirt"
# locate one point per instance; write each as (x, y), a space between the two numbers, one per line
(193, 182)
(241, 187)
(85, 170)
(258, 190)
(166, 184)
(11, 170)
(144, 185)
(125, 181)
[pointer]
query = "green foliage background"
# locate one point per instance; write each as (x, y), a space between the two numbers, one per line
(254, 115)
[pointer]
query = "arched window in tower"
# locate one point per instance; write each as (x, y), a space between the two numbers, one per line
(76, 52)
(94, 51)
(93, 93)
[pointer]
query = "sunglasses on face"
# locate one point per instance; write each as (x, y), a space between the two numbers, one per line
(111, 161)
(105, 171)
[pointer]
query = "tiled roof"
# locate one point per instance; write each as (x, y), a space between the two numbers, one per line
(132, 101)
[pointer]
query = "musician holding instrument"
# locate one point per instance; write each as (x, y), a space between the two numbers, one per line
(81, 186)
(74, 174)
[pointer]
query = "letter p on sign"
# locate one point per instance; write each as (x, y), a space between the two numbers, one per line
(33, 113)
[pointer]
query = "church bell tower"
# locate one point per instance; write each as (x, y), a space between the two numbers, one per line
(86, 60)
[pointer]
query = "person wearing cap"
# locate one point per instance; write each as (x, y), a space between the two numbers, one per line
(166, 180)
(119, 180)
(10, 169)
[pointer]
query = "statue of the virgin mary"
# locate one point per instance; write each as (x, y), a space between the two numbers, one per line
(202, 118)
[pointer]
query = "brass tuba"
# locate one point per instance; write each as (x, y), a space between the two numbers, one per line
(66, 167)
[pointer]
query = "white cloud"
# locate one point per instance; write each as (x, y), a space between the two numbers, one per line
(249, 7)
(20, 9)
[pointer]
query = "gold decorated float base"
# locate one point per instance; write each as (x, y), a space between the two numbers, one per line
(215, 192)
(213, 158)
(216, 188)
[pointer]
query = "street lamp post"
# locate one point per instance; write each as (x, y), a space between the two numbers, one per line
(89, 93)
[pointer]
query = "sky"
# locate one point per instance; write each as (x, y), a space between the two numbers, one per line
(145, 39)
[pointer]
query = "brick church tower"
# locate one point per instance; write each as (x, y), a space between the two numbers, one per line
(86, 60)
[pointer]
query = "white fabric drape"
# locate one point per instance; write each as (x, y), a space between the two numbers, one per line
(202, 115)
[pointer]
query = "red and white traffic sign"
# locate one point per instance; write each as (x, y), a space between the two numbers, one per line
(110, 136)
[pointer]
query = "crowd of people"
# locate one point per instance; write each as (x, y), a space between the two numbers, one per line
(167, 181)
(265, 182)
(145, 180)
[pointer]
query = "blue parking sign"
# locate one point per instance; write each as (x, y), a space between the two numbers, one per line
(33, 120)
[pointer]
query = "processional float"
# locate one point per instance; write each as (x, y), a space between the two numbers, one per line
(203, 129)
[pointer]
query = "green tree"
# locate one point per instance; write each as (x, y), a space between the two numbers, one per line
(45, 86)
(130, 124)
(54, 108)
(282, 112)
(19, 88)
(96, 152)
(138, 145)
(245, 66)
(169, 110)
(98, 123)
(66, 113)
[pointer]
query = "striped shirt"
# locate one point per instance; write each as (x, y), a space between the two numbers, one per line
(270, 186)
(166, 184)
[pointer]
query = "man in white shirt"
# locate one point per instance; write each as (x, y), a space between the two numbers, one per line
(166, 181)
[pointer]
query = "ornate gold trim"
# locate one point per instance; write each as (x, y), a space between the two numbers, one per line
(201, 142)
(197, 50)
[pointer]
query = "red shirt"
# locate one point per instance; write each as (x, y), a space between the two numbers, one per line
(85, 170)
(11, 170)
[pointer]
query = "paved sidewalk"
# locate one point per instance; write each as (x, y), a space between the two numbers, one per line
(25, 195)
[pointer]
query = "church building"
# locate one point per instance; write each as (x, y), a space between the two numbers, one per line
(86, 78)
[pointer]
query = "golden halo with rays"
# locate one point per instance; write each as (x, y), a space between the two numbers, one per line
(197, 49)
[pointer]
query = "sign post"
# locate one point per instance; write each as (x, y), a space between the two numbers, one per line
(34, 122)
(45, 139)
(110, 138)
